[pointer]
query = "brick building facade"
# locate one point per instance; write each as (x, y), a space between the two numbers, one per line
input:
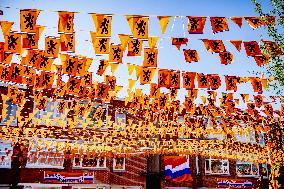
(134, 173)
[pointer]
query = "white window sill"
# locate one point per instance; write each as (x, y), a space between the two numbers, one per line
(92, 168)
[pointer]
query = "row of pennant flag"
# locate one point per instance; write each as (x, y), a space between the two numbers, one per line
(37, 70)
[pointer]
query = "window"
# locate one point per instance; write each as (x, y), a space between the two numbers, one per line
(247, 169)
(45, 157)
(89, 162)
(119, 164)
(120, 117)
(197, 166)
(264, 170)
(10, 111)
(216, 166)
(6, 152)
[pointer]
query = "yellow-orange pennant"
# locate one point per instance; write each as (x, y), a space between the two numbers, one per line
(124, 40)
(130, 68)
(152, 41)
(131, 83)
(138, 70)
(113, 67)
(6, 27)
(103, 24)
(164, 20)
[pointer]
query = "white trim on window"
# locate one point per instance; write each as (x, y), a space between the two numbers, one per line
(120, 166)
(221, 167)
(243, 167)
(78, 162)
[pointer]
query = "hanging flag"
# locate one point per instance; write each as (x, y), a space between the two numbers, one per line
(87, 79)
(268, 109)
(256, 22)
(196, 24)
(70, 65)
(152, 41)
(7, 58)
(113, 67)
(258, 100)
(138, 26)
(13, 42)
(237, 44)
(175, 79)
(237, 20)
(252, 48)
(188, 80)
(61, 106)
(33, 57)
(29, 76)
(164, 78)
(101, 90)
(4, 72)
(202, 80)
(245, 97)
(226, 57)
(103, 24)
(138, 70)
(262, 60)
(102, 67)
(44, 63)
(154, 90)
(131, 83)
(81, 64)
(73, 86)
(52, 45)
(6, 27)
(134, 47)
(192, 93)
(173, 93)
(147, 75)
(191, 55)
(219, 24)
(214, 45)
(256, 84)
(231, 83)
(41, 102)
(111, 82)
(47, 79)
(65, 22)
(28, 19)
(16, 73)
(164, 20)
(124, 40)
(179, 41)
(67, 42)
(101, 45)
(130, 68)
(215, 81)
(115, 54)
(150, 57)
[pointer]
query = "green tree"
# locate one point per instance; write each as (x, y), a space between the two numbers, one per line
(275, 67)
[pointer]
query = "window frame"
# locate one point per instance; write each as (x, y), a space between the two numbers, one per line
(94, 168)
(210, 172)
(123, 166)
(251, 169)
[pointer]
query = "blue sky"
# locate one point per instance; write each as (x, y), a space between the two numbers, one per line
(169, 56)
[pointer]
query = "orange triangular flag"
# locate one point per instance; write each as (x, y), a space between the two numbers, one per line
(131, 83)
(130, 68)
(138, 70)
(113, 67)
(237, 20)
(237, 44)
(152, 41)
(6, 27)
(164, 20)
(124, 40)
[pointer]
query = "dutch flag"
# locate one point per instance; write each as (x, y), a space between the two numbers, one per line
(177, 168)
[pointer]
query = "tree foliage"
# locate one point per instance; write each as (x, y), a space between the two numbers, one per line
(275, 68)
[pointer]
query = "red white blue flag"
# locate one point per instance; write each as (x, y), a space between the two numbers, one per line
(177, 168)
